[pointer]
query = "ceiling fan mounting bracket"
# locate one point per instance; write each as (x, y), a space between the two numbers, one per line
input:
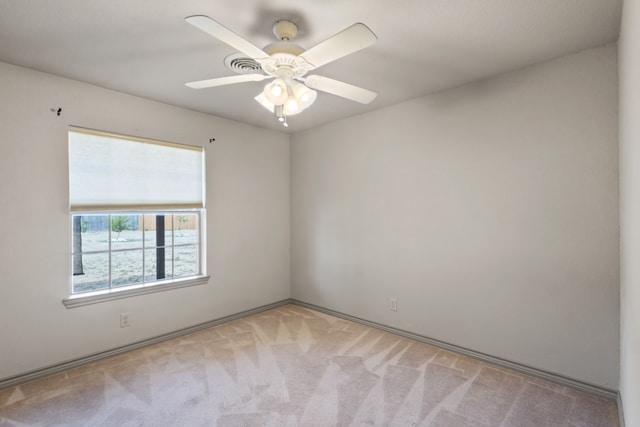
(285, 30)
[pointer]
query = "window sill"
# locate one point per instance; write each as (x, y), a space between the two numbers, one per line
(89, 298)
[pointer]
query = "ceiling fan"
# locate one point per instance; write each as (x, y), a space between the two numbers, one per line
(292, 90)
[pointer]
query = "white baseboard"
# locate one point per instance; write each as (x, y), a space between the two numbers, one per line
(535, 372)
(559, 379)
(620, 411)
(59, 367)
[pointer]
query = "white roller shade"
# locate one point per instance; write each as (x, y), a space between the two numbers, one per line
(113, 172)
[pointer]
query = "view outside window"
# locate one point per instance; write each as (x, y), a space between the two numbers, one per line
(112, 250)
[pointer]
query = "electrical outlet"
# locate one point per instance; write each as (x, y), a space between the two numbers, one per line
(124, 320)
(393, 304)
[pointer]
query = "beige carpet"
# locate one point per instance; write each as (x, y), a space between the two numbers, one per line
(296, 367)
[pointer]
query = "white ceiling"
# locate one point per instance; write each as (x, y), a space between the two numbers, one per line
(145, 48)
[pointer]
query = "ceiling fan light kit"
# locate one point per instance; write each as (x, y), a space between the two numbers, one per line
(276, 92)
(287, 63)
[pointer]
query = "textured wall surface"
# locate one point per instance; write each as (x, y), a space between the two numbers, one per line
(247, 189)
(490, 212)
(630, 212)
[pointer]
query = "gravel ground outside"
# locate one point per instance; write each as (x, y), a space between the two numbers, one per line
(133, 258)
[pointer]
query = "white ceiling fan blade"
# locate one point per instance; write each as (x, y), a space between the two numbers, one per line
(339, 88)
(224, 34)
(201, 84)
(352, 39)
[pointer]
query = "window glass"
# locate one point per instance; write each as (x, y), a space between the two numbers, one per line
(126, 268)
(131, 251)
(126, 232)
(91, 272)
(185, 261)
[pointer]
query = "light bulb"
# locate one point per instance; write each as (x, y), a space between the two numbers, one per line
(276, 92)
(292, 106)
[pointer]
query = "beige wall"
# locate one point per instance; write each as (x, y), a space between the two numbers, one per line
(630, 212)
(489, 211)
(247, 221)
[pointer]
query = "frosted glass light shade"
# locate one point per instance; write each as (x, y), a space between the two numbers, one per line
(292, 106)
(276, 92)
(262, 100)
(305, 96)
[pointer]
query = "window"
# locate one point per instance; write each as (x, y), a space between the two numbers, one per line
(137, 212)
(128, 249)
